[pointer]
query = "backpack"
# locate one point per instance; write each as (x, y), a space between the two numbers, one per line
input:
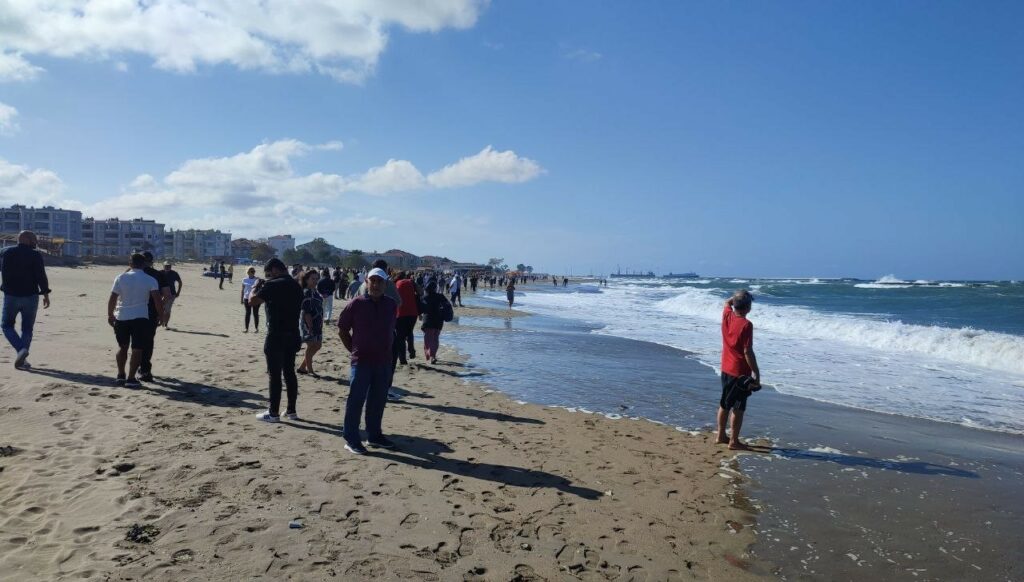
(447, 313)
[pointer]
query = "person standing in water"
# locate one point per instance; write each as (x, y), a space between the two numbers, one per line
(311, 325)
(251, 312)
(510, 292)
(738, 364)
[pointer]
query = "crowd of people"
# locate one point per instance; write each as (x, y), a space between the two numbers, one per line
(376, 326)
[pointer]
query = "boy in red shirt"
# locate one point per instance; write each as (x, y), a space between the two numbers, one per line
(738, 361)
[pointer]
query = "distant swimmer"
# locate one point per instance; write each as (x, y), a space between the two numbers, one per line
(740, 374)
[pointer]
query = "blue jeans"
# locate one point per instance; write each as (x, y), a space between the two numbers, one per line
(27, 307)
(368, 385)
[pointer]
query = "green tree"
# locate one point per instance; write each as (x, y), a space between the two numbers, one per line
(529, 269)
(521, 267)
(262, 252)
(354, 261)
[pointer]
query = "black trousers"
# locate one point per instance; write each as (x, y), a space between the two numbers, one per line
(254, 313)
(280, 354)
(146, 365)
(404, 339)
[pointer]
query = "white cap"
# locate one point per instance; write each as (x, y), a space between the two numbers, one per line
(377, 273)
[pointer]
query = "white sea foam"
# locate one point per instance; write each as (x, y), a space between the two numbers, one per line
(966, 376)
(987, 349)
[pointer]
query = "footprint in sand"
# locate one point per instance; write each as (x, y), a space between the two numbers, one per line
(410, 521)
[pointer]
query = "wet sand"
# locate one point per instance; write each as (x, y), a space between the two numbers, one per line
(178, 480)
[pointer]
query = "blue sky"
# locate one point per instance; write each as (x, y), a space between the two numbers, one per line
(757, 139)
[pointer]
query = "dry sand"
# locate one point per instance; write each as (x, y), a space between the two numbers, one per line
(481, 488)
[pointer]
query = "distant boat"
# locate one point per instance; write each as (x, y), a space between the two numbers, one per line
(690, 275)
(629, 275)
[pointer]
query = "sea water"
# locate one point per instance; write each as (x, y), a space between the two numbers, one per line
(951, 351)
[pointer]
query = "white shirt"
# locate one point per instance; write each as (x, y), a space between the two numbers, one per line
(247, 285)
(132, 289)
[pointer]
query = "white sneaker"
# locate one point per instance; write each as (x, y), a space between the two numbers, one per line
(22, 356)
(291, 415)
(265, 417)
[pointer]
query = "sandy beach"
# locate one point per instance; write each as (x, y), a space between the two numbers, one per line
(482, 487)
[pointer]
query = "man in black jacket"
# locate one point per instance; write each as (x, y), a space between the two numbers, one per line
(155, 316)
(24, 280)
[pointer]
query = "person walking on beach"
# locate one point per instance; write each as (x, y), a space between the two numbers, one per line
(155, 317)
(283, 298)
(436, 310)
(231, 273)
(131, 297)
(366, 327)
(223, 273)
(24, 280)
(311, 324)
(171, 277)
(389, 286)
(456, 289)
(326, 288)
(739, 367)
(251, 312)
(407, 314)
(510, 293)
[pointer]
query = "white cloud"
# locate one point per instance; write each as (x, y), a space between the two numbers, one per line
(487, 166)
(584, 55)
(341, 39)
(14, 67)
(8, 125)
(394, 176)
(30, 186)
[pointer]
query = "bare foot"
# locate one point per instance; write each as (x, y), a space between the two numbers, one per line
(738, 446)
(722, 441)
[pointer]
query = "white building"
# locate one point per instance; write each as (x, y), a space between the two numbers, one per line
(281, 243)
(116, 237)
(64, 226)
(197, 244)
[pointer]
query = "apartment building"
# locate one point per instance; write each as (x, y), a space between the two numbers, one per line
(64, 226)
(197, 244)
(116, 237)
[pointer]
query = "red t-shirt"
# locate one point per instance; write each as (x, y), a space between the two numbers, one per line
(407, 291)
(737, 336)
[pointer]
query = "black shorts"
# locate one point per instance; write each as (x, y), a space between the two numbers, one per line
(137, 333)
(733, 396)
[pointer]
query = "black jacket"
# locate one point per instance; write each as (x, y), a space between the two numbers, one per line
(431, 307)
(23, 272)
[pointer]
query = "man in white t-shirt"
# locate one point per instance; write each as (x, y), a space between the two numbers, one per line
(130, 296)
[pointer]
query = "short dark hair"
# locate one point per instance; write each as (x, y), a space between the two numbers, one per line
(742, 300)
(148, 255)
(380, 264)
(275, 263)
(138, 260)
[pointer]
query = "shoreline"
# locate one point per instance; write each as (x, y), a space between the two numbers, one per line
(482, 487)
(828, 460)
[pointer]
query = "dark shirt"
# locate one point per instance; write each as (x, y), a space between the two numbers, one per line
(372, 325)
(326, 287)
(433, 308)
(161, 282)
(23, 272)
(171, 277)
(283, 297)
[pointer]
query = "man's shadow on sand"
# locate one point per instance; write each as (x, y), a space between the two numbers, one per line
(911, 467)
(195, 392)
(461, 411)
(427, 454)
